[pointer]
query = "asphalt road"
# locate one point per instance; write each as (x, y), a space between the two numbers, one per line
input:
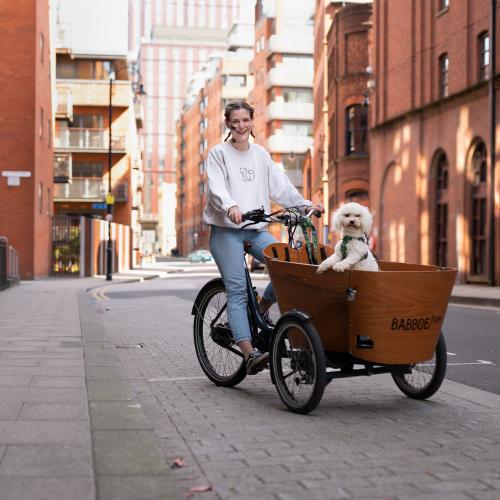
(472, 333)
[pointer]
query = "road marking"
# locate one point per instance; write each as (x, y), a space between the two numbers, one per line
(451, 354)
(176, 379)
(482, 361)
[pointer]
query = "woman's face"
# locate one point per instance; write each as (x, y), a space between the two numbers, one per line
(240, 125)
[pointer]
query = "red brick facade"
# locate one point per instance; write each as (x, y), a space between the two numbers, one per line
(348, 173)
(26, 133)
(430, 142)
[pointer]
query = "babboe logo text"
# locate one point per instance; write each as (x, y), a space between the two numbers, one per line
(412, 324)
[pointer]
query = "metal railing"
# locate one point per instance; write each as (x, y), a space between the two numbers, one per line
(88, 139)
(9, 263)
(81, 188)
(64, 106)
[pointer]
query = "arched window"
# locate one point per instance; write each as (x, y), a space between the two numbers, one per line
(441, 225)
(479, 222)
(356, 118)
(357, 195)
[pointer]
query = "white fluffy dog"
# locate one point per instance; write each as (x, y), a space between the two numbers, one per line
(354, 221)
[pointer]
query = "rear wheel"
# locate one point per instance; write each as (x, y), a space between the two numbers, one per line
(297, 362)
(422, 380)
(216, 350)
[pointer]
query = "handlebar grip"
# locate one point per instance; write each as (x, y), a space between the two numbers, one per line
(316, 213)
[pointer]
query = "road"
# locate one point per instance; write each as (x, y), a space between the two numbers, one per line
(472, 333)
(364, 441)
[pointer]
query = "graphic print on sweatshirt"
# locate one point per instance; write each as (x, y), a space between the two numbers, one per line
(247, 174)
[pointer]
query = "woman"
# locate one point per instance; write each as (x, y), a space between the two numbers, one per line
(242, 177)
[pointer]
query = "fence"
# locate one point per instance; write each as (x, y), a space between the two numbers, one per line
(9, 263)
(79, 246)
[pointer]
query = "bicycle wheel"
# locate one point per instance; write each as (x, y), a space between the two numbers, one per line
(298, 364)
(216, 350)
(425, 378)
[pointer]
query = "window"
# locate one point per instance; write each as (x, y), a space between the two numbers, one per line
(356, 130)
(235, 80)
(358, 196)
(88, 121)
(444, 4)
(297, 95)
(441, 224)
(443, 75)
(41, 122)
(40, 197)
(87, 169)
(42, 48)
(479, 223)
(297, 128)
(484, 56)
(85, 69)
(49, 133)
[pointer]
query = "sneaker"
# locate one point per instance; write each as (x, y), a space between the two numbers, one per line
(268, 320)
(257, 361)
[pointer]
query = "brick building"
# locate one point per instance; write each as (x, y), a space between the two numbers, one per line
(430, 144)
(347, 46)
(26, 151)
(225, 78)
(174, 39)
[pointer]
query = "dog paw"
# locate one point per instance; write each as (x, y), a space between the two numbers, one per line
(322, 268)
(340, 267)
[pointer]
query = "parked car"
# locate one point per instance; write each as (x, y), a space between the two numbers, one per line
(200, 256)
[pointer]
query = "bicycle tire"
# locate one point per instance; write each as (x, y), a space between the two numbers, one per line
(221, 365)
(425, 377)
(296, 347)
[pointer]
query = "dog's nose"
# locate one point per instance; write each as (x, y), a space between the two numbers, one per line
(351, 222)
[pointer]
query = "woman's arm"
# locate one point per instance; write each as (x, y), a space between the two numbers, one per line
(219, 195)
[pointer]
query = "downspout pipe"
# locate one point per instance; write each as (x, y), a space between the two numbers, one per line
(492, 99)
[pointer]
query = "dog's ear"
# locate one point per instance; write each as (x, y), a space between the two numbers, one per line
(367, 220)
(336, 220)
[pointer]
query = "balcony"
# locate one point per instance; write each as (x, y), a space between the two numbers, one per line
(96, 92)
(290, 111)
(81, 189)
(280, 143)
(232, 92)
(89, 140)
(62, 168)
(299, 44)
(291, 76)
(64, 102)
(63, 37)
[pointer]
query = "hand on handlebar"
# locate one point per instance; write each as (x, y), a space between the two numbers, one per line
(316, 210)
(234, 213)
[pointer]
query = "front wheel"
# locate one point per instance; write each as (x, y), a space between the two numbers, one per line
(297, 362)
(422, 380)
(216, 350)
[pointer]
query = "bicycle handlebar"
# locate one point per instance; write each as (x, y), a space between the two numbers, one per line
(259, 215)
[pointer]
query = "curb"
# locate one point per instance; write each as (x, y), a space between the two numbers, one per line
(474, 301)
(121, 282)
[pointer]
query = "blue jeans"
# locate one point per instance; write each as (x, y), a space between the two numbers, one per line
(226, 246)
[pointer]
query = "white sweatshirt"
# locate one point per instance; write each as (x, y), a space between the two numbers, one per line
(248, 179)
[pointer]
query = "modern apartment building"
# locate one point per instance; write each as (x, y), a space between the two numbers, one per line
(96, 144)
(26, 139)
(225, 78)
(173, 40)
(433, 179)
(283, 82)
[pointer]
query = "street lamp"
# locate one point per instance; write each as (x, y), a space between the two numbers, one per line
(109, 196)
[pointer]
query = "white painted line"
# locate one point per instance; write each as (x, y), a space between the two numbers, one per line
(460, 364)
(451, 354)
(176, 379)
(482, 361)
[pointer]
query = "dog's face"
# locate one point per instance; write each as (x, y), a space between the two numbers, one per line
(352, 218)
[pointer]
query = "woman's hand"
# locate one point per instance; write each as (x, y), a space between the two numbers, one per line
(318, 207)
(234, 213)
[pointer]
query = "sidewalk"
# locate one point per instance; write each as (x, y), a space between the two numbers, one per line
(70, 425)
(84, 415)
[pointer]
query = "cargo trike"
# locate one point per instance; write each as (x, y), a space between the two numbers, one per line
(331, 325)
